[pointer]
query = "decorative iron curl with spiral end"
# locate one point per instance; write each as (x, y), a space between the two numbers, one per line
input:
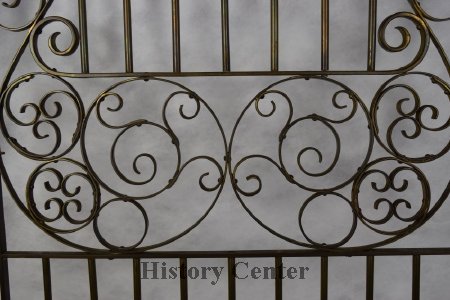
(112, 101)
(350, 108)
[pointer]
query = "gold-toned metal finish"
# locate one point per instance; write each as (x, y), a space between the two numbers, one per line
(371, 51)
(128, 39)
(84, 46)
(176, 36)
(325, 34)
(226, 65)
(55, 165)
(274, 34)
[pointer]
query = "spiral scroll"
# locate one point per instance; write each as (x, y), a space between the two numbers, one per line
(62, 206)
(42, 115)
(27, 25)
(406, 37)
(415, 219)
(52, 44)
(414, 116)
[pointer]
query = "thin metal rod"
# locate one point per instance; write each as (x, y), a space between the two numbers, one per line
(183, 279)
(4, 279)
(237, 253)
(176, 36)
(84, 52)
(92, 279)
(325, 34)
(46, 274)
(369, 277)
(137, 279)
(128, 39)
(324, 278)
(4, 273)
(231, 73)
(225, 37)
(279, 278)
(274, 34)
(231, 278)
(371, 51)
(416, 277)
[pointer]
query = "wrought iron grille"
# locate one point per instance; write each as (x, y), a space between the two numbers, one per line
(64, 176)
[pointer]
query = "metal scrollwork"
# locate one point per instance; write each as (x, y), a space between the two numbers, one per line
(390, 183)
(52, 40)
(329, 123)
(425, 14)
(43, 116)
(15, 4)
(406, 37)
(109, 245)
(349, 107)
(165, 128)
(386, 192)
(414, 115)
(58, 183)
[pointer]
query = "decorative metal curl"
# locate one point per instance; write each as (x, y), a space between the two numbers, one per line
(41, 116)
(345, 239)
(414, 116)
(15, 4)
(107, 244)
(389, 183)
(425, 14)
(327, 122)
(62, 206)
(52, 45)
(406, 37)
(352, 108)
(165, 128)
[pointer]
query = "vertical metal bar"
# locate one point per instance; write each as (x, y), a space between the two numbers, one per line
(84, 52)
(4, 280)
(4, 273)
(231, 278)
(183, 279)
(274, 34)
(279, 278)
(176, 35)
(137, 278)
(92, 278)
(371, 51)
(325, 34)
(128, 36)
(225, 37)
(416, 277)
(369, 277)
(324, 278)
(46, 274)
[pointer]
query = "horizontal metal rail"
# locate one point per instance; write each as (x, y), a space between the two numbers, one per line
(227, 254)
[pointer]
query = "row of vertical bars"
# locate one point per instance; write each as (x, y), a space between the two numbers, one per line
(226, 65)
(183, 264)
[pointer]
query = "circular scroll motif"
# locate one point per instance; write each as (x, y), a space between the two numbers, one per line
(390, 183)
(60, 185)
(344, 101)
